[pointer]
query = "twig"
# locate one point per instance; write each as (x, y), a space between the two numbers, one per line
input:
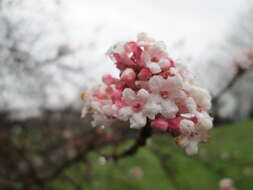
(217, 119)
(240, 72)
(141, 140)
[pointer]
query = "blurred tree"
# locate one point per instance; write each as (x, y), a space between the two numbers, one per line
(41, 77)
(236, 102)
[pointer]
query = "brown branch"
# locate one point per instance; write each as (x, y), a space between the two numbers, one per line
(59, 170)
(141, 140)
(217, 119)
(240, 72)
(33, 177)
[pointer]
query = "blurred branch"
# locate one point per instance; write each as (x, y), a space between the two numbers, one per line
(217, 119)
(243, 64)
(240, 72)
(141, 140)
(60, 132)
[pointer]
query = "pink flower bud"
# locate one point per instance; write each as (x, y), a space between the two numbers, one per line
(173, 126)
(128, 76)
(144, 74)
(116, 95)
(160, 123)
(108, 79)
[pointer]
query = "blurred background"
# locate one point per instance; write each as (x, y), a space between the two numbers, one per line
(52, 50)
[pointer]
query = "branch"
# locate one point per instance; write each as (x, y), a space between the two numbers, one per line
(59, 170)
(217, 119)
(240, 72)
(141, 140)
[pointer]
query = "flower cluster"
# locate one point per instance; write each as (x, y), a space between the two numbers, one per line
(151, 90)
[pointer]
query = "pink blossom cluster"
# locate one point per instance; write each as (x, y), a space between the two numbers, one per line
(151, 90)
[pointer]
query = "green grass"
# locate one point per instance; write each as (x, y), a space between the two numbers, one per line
(166, 167)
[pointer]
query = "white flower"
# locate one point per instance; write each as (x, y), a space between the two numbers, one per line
(143, 94)
(117, 48)
(158, 84)
(192, 148)
(201, 96)
(169, 108)
(205, 122)
(151, 109)
(109, 109)
(189, 144)
(143, 39)
(163, 63)
(187, 127)
(138, 120)
(125, 113)
(129, 96)
(100, 120)
(154, 67)
(191, 105)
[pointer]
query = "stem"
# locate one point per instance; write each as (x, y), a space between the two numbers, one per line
(141, 140)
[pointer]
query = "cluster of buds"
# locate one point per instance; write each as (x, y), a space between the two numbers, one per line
(151, 90)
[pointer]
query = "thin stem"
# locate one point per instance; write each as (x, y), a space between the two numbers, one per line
(141, 140)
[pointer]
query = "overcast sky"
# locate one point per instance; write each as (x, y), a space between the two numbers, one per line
(199, 23)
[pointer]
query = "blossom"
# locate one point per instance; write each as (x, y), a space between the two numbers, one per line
(152, 90)
(136, 173)
(227, 184)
